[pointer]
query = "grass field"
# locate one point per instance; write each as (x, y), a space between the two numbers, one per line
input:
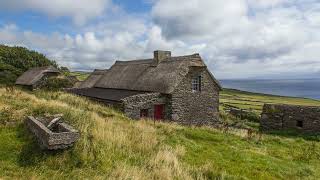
(81, 76)
(115, 147)
(255, 101)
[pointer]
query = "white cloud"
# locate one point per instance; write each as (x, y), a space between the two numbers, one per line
(266, 3)
(96, 46)
(265, 36)
(194, 18)
(79, 10)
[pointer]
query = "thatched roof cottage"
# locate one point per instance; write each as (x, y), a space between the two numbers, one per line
(33, 78)
(180, 89)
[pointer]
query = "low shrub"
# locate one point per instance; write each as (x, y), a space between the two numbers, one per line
(5, 115)
(57, 83)
(246, 121)
(251, 116)
(7, 77)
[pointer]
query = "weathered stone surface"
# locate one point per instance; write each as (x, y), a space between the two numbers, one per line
(53, 122)
(61, 137)
(282, 117)
(238, 112)
(134, 104)
(182, 106)
(196, 108)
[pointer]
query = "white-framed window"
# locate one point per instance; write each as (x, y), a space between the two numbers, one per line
(196, 84)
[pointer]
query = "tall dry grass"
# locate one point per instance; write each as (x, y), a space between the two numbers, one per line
(110, 145)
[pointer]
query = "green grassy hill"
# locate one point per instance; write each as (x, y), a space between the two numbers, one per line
(116, 147)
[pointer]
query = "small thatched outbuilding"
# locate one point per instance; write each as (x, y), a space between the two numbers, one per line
(35, 77)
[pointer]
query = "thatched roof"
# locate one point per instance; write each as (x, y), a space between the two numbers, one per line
(92, 79)
(31, 76)
(72, 79)
(105, 94)
(77, 84)
(147, 75)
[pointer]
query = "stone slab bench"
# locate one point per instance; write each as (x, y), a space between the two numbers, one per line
(60, 136)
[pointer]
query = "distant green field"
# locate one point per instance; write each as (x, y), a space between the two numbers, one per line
(255, 101)
(80, 75)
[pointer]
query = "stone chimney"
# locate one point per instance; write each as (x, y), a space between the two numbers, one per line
(159, 56)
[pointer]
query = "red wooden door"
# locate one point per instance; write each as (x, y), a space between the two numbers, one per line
(158, 111)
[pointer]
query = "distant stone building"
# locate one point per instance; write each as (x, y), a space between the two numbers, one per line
(180, 89)
(285, 117)
(35, 77)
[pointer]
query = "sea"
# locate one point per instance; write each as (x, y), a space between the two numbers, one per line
(307, 88)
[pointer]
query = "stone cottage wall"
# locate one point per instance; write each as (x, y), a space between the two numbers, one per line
(282, 117)
(196, 108)
(133, 104)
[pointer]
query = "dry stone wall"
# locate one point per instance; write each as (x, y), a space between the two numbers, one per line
(282, 117)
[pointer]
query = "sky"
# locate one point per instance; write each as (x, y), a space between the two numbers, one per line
(237, 39)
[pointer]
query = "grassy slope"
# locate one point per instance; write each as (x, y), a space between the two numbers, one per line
(114, 146)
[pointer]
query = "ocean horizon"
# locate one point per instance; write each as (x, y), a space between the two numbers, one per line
(305, 88)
